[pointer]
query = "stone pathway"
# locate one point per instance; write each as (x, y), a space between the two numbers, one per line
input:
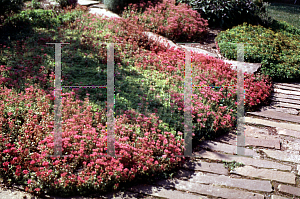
(271, 163)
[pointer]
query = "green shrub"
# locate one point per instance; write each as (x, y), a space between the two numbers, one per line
(284, 27)
(276, 51)
(66, 3)
(118, 6)
(9, 6)
(228, 13)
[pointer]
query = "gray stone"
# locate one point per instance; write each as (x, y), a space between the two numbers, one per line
(298, 168)
(287, 87)
(289, 92)
(244, 160)
(277, 116)
(266, 174)
(288, 132)
(289, 189)
(253, 185)
(278, 197)
(198, 50)
(218, 146)
(87, 2)
(162, 40)
(209, 190)
(247, 67)
(163, 192)
(103, 12)
(286, 105)
(282, 110)
(283, 156)
(289, 126)
(205, 166)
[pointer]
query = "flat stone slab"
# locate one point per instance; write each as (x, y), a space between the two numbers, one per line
(244, 160)
(281, 99)
(252, 185)
(277, 116)
(289, 92)
(263, 122)
(289, 189)
(164, 193)
(283, 156)
(295, 85)
(250, 68)
(251, 141)
(286, 96)
(198, 50)
(287, 87)
(162, 40)
(288, 132)
(103, 12)
(218, 146)
(87, 2)
(267, 174)
(206, 166)
(287, 105)
(282, 110)
(209, 190)
(277, 197)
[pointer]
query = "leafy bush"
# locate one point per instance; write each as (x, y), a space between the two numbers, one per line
(42, 18)
(117, 6)
(9, 6)
(66, 3)
(228, 13)
(283, 27)
(174, 22)
(276, 51)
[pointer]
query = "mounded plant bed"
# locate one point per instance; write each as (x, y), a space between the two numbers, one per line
(149, 105)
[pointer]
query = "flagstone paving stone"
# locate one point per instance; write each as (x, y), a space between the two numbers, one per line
(295, 85)
(165, 193)
(251, 141)
(282, 110)
(209, 190)
(286, 96)
(206, 166)
(267, 174)
(254, 185)
(227, 148)
(278, 197)
(244, 160)
(290, 92)
(289, 189)
(264, 122)
(287, 105)
(287, 87)
(280, 99)
(103, 12)
(87, 2)
(288, 132)
(283, 156)
(277, 115)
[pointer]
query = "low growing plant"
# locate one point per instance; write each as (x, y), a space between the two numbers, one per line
(276, 51)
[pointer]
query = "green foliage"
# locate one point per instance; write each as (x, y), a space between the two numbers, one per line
(276, 51)
(232, 165)
(9, 6)
(66, 3)
(228, 13)
(118, 6)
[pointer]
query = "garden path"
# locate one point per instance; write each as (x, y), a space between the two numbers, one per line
(271, 161)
